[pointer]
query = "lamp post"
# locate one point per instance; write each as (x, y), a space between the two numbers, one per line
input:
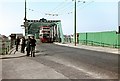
(75, 21)
(75, 34)
(25, 23)
(119, 32)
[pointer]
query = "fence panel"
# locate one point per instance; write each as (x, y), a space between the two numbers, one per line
(4, 45)
(82, 38)
(118, 41)
(108, 38)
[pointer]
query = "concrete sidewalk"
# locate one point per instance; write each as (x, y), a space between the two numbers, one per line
(94, 48)
(16, 54)
(13, 53)
(18, 68)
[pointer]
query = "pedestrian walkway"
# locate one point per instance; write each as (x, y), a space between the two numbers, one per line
(94, 48)
(26, 68)
(16, 54)
(12, 54)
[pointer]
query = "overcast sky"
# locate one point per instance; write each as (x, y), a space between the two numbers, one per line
(92, 16)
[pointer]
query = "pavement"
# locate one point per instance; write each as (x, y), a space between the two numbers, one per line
(12, 53)
(26, 68)
(94, 48)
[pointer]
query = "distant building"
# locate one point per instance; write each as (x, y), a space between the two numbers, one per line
(14, 35)
(19, 35)
(3, 36)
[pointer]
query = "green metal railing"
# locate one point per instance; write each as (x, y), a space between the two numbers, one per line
(109, 39)
(104, 39)
(0, 45)
(4, 46)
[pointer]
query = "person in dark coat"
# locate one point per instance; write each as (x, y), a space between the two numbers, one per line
(17, 42)
(28, 46)
(23, 44)
(32, 45)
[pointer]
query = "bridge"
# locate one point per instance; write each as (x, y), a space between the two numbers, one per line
(33, 27)
(95, 57)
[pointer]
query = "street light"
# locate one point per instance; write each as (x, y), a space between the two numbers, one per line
(26, 22)
(75, 19)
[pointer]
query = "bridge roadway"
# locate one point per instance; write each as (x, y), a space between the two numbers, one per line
(72, 63)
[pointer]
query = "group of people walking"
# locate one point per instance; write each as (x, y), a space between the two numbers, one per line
(29, 44)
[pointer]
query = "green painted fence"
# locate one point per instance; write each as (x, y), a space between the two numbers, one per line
(4, 45)
(0, 45)
(110, 39)
(118, 40)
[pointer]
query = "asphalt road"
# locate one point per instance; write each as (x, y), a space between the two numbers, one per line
(67, 62)
(78, 63)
